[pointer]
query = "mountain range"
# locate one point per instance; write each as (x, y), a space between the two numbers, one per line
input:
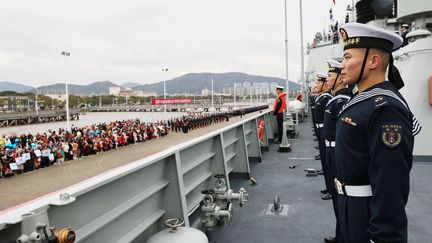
(195, 82)
(101, 87)
(191, 82)
(9, 86)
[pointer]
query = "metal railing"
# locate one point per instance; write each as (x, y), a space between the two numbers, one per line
(27, 114)
(131, 202)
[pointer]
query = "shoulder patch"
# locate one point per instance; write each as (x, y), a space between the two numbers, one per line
(379, 101)
(391, 135)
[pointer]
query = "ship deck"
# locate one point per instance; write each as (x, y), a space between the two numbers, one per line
(309, 218)
(24, 188)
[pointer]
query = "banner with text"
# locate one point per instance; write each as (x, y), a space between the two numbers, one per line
(171, 101)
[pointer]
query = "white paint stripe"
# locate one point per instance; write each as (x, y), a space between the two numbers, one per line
(339, 96)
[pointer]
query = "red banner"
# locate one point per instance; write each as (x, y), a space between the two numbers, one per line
(171, 101)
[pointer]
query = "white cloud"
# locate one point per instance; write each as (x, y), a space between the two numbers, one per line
(132, 40)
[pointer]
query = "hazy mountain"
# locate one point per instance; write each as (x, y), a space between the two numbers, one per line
(19, 88)
(195, 82)
(101, 87)
(191, 82)
(130, 85)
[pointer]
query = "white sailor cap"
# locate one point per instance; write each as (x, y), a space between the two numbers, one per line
(279, 87)
(334, 66)
(405, 25)
(356, 35)
(321, 77)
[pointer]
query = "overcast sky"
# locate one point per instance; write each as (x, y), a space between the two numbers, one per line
(132, 40)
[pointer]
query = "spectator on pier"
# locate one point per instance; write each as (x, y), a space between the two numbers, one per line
(28, 152)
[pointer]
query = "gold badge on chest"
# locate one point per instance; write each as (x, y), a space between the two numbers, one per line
(348, 121)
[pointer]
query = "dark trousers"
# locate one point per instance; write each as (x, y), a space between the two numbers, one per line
(279, 119)
(322, 149)
(354, 219)
(331, 175)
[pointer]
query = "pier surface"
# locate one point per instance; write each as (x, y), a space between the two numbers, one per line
(22, 188)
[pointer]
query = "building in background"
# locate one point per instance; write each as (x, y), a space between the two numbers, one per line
(61, 97)
(273, 88)
(128, 92)
(228, 91)
(205, 92)
(247, 88)
(260, 88)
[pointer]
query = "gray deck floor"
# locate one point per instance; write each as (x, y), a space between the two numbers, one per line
(309, 218)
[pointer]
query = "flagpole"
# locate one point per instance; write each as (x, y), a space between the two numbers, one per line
(212, 106)
(234, 92)
(303, 82)
(284, 146)
(286, 54)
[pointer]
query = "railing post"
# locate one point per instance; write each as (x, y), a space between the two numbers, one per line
(224, 160)
(269, 127)
(181, 189)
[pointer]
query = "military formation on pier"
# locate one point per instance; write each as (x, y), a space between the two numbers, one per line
(20, 153)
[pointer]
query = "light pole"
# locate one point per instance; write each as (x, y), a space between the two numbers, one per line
(301, 47)
(234, 92)
(301, 43)
(285, 146)
(36, 104)
(164, 88)
(66, 54)
(212, 106)
(260, 95)
(251, 94)
(286, 55)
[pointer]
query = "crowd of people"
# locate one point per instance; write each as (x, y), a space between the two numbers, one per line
(28, 152)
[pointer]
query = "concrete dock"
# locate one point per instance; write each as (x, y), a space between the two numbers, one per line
(22, 188)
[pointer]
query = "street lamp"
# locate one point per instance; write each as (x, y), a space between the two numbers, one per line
(234, 92)
(66, 54)
(212, 92)
(164, 88)
(36, 104)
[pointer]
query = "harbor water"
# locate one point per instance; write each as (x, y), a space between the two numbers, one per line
(91, 118)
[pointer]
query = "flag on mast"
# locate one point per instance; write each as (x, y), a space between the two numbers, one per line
(331, 14)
